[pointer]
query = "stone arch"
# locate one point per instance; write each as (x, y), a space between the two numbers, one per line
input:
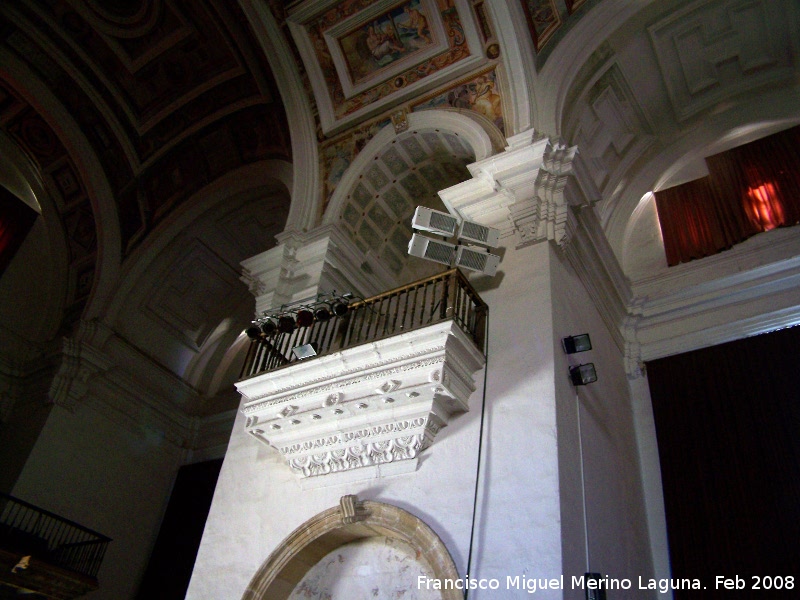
(235, 215)
(350, 521)
(392, 175)
(466, 128)
(86, 291)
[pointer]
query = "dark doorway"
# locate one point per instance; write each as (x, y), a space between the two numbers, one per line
(171, 563)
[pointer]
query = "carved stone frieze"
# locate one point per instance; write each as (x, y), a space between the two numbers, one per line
(272, 398)
(301, 411)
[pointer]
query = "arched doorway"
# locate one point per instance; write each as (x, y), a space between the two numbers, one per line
(354, 530)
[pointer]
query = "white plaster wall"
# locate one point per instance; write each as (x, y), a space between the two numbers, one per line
(616, 524)
(108, 478)
(258, 501)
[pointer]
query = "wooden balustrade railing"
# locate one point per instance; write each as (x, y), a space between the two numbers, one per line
(442, 297)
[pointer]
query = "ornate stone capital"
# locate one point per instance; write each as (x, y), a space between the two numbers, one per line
(375, 406)
(303, 264)
(80, 364)
(528, 190)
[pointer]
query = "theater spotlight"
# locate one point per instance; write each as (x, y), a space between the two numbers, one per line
(285, 324)
(576, 343)
(340, 307)
(253, 332)
(583, 374)
(269, 327)
(322, 312)
(304, 317)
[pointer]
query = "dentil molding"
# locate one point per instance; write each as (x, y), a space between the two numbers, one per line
(369, 410)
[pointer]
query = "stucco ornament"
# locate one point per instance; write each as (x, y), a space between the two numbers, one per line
(322, 432)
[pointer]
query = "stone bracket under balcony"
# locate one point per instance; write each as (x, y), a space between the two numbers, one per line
(366, 411)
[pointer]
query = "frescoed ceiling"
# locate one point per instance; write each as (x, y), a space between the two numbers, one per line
(549, 20)
(164, 100)
(134, 117)
(171, 95)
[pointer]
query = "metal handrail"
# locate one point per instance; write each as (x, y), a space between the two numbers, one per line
(441, 297)
(28, 529)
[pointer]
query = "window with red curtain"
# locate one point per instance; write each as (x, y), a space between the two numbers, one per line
(16, 220)
(750, 189)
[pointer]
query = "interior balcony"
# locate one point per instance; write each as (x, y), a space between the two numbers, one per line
(356, 388)
(43, 555)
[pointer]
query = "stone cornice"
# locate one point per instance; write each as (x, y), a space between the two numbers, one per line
(741, 294)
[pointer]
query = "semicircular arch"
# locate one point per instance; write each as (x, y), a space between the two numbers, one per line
(333, 528)
(470, 130)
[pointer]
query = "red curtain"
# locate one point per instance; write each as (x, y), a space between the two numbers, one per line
(16, 219)
(764, 176)
(727, 421)
(696, 221)
(750, 189)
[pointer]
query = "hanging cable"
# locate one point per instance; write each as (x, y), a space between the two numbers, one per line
(478, 468)
(583, 482)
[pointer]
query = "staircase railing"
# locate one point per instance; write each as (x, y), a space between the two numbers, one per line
(442, 297)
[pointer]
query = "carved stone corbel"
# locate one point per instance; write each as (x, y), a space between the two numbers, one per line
(352, 509)
(561, 184)
(388, 413)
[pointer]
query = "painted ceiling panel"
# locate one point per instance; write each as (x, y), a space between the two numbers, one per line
(363, 57)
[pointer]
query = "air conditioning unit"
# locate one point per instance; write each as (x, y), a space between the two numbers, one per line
(477, 259)
(434, 221)
(434, 250)
(475, 233)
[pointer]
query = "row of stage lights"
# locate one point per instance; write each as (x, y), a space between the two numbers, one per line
(286, 320)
